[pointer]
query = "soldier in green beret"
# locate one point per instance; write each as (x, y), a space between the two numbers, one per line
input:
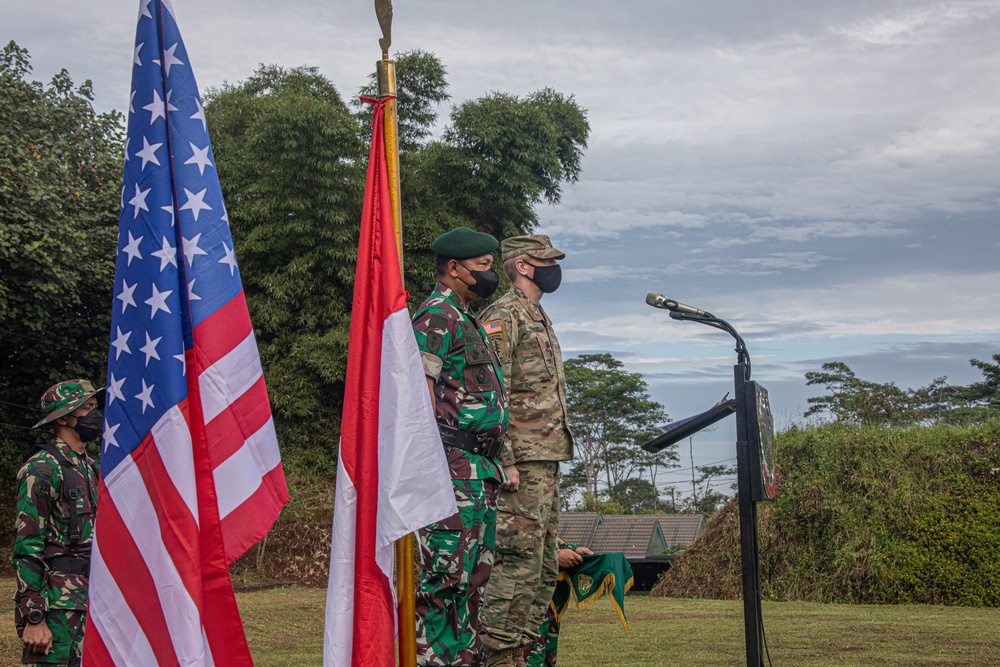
(56, 506)
(526, 566)
(465, 382)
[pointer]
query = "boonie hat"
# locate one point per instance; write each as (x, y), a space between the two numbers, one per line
(463, 243)
(538, 246)
(65, 397)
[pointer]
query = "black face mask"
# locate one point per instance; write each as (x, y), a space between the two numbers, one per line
(486, 282)
(90, 425)
(548, 278)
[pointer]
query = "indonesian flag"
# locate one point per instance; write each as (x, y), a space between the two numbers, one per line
(392, 474)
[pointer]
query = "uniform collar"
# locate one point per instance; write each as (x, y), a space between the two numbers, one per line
(534, 309)
(452, 298)
(68, 451)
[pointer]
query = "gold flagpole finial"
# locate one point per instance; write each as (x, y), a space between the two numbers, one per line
(383, 11)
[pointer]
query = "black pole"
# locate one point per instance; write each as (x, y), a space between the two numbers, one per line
(748, 525)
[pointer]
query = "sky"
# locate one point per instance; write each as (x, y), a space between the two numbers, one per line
(824, 176)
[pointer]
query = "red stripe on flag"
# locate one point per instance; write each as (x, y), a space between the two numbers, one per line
(178, 529)
(244, 417)
(242, 527)
(96, 654)
(223, 330)
(124, 560)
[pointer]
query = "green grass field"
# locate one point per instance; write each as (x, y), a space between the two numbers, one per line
(285, 628)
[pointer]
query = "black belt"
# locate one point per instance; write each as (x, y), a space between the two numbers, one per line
(69, 565)
(476, 443)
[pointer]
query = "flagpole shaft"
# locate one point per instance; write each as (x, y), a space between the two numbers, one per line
(405, 588)
(387, 92)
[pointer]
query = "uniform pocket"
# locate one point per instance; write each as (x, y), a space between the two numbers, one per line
(496, 609)
(516, 534)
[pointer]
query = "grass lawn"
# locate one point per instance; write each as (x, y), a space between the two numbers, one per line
(285, 628)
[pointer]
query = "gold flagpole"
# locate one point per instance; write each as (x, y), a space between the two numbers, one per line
(405, 587)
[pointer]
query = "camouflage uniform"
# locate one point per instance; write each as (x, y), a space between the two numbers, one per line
(456, 555)
(526, 568)
(42, 549)
(542, 651)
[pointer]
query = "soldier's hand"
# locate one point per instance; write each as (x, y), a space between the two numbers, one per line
(37, 637)
(569, 558)
(513, 478)
(584, 551)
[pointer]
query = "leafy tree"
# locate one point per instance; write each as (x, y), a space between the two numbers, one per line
(60, 180)
(290, 160)
(636, 496)
(611, 414)
(508, 154)
(704, 498)
(858, 401)
(985, 393)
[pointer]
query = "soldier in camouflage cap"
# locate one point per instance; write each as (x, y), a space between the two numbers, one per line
(525, 570)
(56, 505)
(470, 403)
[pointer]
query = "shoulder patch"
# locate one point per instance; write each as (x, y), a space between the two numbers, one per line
(469, 329)
(493, 327)
(435, 341)
(438, 321)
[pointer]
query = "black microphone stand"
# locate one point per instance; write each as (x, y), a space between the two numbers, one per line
(752, 619)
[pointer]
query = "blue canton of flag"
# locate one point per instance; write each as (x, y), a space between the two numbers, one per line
(191, 474)
(175, 254)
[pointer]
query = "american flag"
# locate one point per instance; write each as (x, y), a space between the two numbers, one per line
(192, 476)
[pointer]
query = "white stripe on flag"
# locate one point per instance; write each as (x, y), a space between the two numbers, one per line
(339, 630)
(239, 476)
(113, 618)
(173, 442)
(229, 378)
(414, 481)
(131, 498)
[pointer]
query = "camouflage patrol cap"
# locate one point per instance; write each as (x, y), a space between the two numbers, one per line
(538, 246)
(65, 397)
(463, 243)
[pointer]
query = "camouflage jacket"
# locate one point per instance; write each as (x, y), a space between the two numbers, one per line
(521, 334)
(468, 380)
(42, 531)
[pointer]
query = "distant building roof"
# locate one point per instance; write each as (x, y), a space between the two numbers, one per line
(681, 528)
(637, 536)
(578, 527)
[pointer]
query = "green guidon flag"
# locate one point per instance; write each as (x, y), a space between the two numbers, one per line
(598, 574)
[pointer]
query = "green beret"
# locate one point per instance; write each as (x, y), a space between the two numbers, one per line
(463, 243)
(538, 246)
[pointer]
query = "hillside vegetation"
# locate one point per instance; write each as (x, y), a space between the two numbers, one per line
(866, 515)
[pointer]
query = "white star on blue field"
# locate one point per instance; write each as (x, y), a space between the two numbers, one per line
(821, 175)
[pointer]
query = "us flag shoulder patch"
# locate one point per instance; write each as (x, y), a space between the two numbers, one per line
(493, 327)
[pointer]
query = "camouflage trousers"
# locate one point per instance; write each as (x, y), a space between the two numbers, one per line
(527, 559)
(456, 556)
(66, 627)
(542, 653)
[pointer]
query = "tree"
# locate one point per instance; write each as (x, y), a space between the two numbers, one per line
(636, 496)
(610, 414)
(858, 401)
(705, 499)
(290, 160)
(985, 393)
(60, 180)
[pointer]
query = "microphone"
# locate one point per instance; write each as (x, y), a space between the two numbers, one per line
(660, 301)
